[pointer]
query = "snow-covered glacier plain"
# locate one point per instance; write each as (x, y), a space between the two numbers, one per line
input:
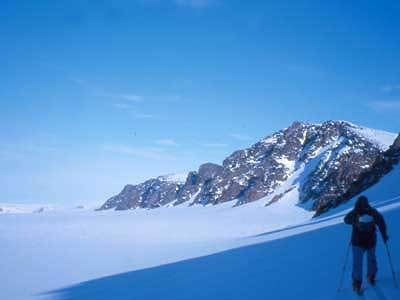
(211, 252)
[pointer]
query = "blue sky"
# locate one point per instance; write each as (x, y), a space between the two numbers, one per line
(97, 94)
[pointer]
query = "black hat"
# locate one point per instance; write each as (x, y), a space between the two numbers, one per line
(362, 203)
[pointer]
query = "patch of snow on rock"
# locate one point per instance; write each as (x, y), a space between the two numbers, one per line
(382, 138)
(178, 177)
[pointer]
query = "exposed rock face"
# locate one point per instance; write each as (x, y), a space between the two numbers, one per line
(197, 183)
(382, 165)
(327, 163)
(393, 153)
(149, 194)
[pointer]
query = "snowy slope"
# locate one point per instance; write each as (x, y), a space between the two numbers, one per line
(382, 138)
(216, 252)
(304, 265)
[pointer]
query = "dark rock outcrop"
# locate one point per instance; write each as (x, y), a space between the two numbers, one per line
(383, 164)
(150, 194)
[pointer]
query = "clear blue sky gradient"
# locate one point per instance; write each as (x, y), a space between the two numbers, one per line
(97, 94)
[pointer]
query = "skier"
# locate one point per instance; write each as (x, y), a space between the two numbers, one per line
(364, 220)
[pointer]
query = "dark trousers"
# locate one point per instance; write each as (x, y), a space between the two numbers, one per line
(358, 254)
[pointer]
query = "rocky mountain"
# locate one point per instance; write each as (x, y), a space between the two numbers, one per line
(382, 166)
(324, 164)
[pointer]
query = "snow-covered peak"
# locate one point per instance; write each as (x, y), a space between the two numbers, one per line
(382, 139)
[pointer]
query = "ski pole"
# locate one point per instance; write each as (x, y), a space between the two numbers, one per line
(391, 266)
(344, 267)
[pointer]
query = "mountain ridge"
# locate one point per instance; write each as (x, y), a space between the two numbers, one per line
(324, 164)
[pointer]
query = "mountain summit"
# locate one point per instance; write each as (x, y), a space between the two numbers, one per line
(322, 165)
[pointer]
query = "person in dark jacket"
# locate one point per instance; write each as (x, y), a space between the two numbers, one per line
(364, 220)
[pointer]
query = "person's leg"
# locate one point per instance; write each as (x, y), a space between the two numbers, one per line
(358, 254)
(372, 265)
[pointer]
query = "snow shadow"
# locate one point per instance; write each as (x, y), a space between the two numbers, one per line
(305, 266)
